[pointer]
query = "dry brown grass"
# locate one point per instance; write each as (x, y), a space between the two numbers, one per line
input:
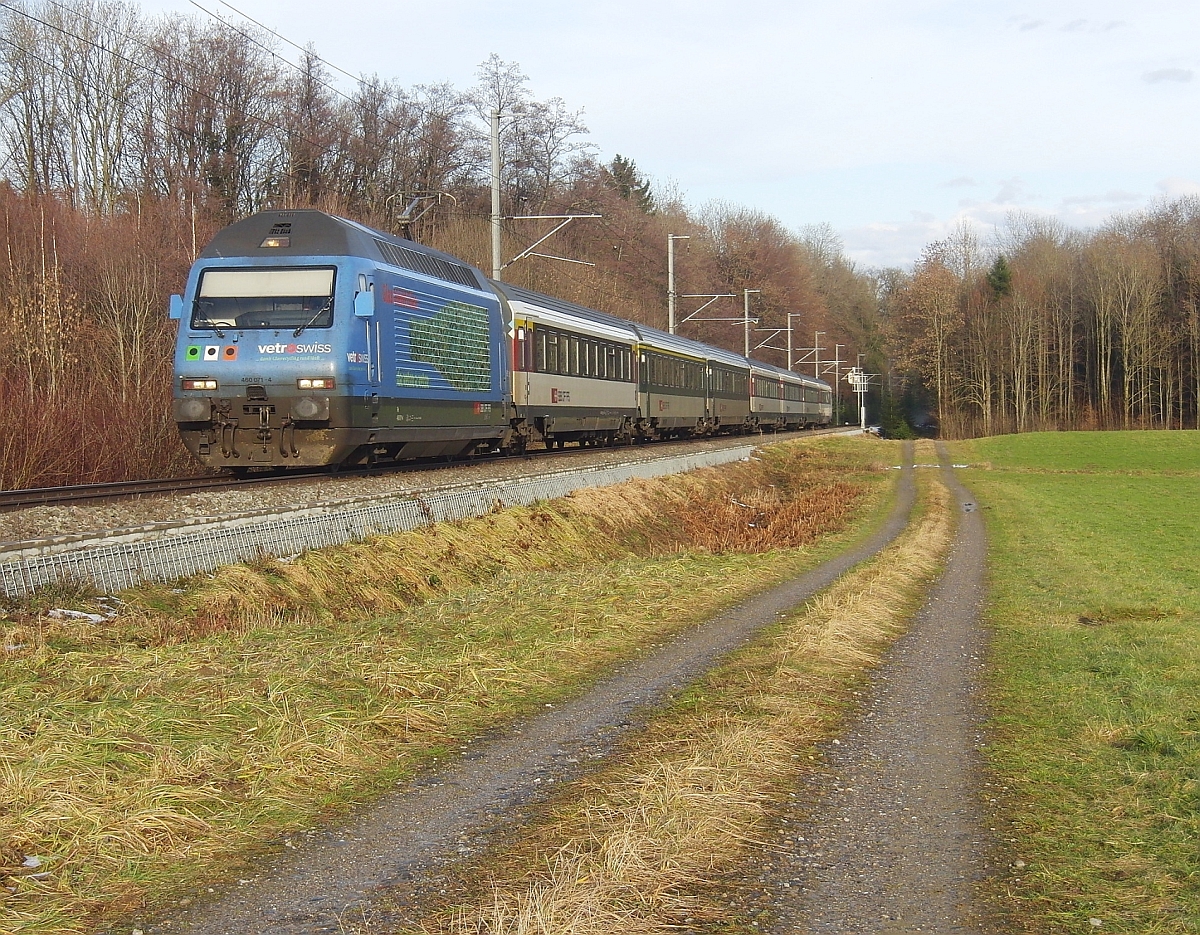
(171, 741)
(784, 497)
(633, 848)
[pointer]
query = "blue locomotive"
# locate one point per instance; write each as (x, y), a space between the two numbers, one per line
(307, 339)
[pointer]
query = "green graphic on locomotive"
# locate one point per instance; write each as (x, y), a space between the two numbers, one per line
(455, 341)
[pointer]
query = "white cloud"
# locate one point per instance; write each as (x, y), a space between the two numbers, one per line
(1179, 188)
(884, 245)
(1011, 191)
(1111, 198)
(1168, 74)
(1026, 23)
(1084, 25)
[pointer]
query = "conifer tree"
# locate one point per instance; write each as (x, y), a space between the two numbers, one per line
(630, 184)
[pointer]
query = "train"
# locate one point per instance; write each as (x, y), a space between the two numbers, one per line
(309, 340)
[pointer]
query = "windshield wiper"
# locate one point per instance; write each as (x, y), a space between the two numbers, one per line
(206, 321)
(319, 312)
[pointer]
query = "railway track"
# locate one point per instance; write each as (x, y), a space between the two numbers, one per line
(45, 496)
(123, 490)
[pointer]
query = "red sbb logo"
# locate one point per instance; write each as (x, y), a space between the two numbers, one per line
(400, 298)
(560, 396)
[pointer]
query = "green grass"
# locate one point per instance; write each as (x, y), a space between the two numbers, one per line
(1095, 609)
(1090, 451)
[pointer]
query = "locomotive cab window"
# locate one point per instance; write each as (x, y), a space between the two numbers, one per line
(264, 298)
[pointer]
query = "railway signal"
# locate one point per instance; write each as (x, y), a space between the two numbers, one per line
(860, 382)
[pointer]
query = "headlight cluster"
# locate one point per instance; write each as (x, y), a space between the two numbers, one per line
(315, 383)
(189, 384)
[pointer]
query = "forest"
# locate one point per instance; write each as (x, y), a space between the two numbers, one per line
(1055, 328)
(128, 140)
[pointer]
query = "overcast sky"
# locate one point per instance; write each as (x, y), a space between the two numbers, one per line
(890, 121)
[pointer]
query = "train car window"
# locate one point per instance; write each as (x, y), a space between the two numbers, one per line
(264, 298)
(671, 372)
(539, 363)
(551, 352)
(766, 389)
(729, 381)
(573, 344)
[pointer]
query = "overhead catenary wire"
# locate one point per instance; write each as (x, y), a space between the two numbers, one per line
(288, 132)
(249, 38)
(280, 37)
(5, 4)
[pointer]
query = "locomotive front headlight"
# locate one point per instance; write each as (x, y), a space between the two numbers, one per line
(315, 383)
(189, 384)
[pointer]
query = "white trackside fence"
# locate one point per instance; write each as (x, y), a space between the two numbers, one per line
(166, 552)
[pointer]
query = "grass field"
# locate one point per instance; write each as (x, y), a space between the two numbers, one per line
(1095, 608)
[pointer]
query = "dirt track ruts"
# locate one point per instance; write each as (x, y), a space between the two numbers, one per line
(335, 876)
(890, 836)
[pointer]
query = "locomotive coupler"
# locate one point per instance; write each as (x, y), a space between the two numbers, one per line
(264, 422)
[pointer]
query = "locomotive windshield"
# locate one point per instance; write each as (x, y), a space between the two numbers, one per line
(264, 298)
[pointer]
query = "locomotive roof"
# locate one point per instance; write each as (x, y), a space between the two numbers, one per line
(307, 233)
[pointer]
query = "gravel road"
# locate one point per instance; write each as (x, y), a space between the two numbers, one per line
(890, 837)
(330, 879)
